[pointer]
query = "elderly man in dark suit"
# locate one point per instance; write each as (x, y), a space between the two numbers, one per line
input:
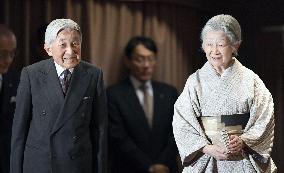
(60, 118)
(140, 111)
(9, 80)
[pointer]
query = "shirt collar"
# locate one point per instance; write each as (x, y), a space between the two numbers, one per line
(60, 69)
(136, 83)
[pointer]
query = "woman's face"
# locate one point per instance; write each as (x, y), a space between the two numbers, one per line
(218, 49)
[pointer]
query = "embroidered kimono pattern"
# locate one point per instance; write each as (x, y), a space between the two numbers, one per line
(237, 91)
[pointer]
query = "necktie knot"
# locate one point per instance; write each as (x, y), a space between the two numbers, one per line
(143, 88)
(65, 73)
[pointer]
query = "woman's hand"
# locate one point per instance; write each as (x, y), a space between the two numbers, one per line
(159, 168)
(236, 144)
(216, 151)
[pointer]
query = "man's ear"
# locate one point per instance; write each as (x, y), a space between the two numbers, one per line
(126, 61)
(202, 47)
(48, 49)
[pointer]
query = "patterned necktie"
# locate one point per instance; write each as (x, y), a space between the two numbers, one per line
(147, 104)
(64, 80)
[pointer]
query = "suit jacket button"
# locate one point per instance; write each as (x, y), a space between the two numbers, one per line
(43, 112)
(83, 115)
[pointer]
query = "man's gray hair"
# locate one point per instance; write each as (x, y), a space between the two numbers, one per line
(226, 23)
(57, 25)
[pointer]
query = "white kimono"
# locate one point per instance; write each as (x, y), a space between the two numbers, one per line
(237, 91)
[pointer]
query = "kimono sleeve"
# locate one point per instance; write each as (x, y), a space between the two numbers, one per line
(259, 133)
(188, 133)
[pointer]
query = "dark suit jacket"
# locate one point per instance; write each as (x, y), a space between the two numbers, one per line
(8, 93)
(134, 144)
(53, 134)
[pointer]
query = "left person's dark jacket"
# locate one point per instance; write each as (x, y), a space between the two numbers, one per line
(10, 81)
(56, 134)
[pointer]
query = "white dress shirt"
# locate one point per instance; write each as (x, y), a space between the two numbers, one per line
(136, 83)
(60, 69)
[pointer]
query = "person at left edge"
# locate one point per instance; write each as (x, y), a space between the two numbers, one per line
(9, 79)
(53, 132)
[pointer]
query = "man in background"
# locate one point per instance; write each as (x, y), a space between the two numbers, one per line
(8, 88)
(140, 111)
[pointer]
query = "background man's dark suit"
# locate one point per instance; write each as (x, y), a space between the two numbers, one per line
(136, 147)
(7, 107)
(53, 134)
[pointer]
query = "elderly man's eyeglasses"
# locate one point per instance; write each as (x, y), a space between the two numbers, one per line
(7, 54)
(140, 59)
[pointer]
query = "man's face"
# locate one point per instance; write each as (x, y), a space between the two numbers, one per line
(66, 48)
(8, 46)
(142, 63)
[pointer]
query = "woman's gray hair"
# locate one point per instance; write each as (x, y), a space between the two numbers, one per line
(226, 23)
(57, 25)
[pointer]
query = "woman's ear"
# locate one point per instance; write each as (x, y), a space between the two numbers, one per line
(236, 48)
(237, 45)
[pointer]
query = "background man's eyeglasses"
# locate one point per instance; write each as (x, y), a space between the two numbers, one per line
(7, 54)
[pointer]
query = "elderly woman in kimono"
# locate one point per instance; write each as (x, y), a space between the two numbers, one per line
(224, 118)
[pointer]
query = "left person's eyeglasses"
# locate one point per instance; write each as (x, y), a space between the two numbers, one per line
(7, 54)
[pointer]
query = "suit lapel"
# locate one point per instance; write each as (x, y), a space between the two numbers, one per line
(78, 85)
(7, 92)
(51, 87)
(4, 95)
(158, 103)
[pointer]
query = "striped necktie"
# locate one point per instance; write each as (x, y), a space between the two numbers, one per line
(147, 104)
(65, 80)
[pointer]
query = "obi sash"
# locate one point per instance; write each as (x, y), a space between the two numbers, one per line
(215, 126)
